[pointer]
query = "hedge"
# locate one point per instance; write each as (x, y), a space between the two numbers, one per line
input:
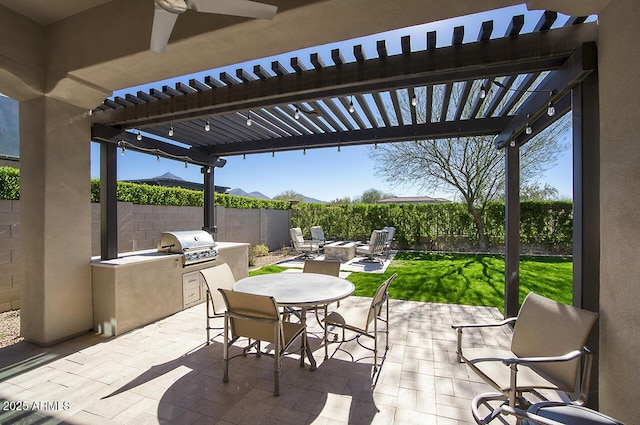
(147, 194)
(547, 224)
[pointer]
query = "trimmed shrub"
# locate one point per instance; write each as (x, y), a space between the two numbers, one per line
(9, 183)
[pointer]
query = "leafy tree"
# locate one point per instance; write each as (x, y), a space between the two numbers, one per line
(469, 168)
(290, 195)
(371, 196)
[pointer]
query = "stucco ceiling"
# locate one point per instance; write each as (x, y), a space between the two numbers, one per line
(47, 12)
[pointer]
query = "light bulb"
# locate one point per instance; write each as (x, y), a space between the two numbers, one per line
(157, 158)
(171, 131)
(139, 136)
(207, 126)
(351, 108)
(249, 122)
(244, 156)
(304, 151)
(528, 129)
(122, 151)
(273, 154)
(551, 110)
(483, 92)
(297, 114)
(186, 164)
(338, 148)
(414, 100)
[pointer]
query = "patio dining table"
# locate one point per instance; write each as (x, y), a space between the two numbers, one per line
(302, 290)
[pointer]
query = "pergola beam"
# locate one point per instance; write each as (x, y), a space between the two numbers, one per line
(532, 52)
(482, 127)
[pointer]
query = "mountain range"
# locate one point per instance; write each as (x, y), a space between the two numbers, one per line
(240, 192)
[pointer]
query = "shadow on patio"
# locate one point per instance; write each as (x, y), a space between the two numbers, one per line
(163, 373)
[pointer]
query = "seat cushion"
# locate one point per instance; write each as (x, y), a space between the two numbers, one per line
(571, 414)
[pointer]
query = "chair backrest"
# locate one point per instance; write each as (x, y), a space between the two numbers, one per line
(379, 299)
(252, 316)
(377, 241)
(328, 267)
(317, 233)
(219, 276)
(391, 232)
(545, 327)
(296, 236)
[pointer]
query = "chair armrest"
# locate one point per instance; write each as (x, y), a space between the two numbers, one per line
(483, 325)
(563, 358)
(458, 327)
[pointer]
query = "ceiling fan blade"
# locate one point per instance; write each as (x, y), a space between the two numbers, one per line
(163, 23)
(246, 8)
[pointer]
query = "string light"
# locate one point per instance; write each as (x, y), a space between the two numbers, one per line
(414, 100)
(171, 131)
(528, 129)
(304, 151)
(273, 154)
(186, 164)
(157, 158)
(338, 148)
(351, 108)
(551, 110)
(157, 152)
(244, 156)
(297, 114)
(483, 92)
(249, 122)
(139, 136)
(207, 126)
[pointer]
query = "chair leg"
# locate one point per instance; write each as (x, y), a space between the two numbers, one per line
(375, 345)
(225, 351)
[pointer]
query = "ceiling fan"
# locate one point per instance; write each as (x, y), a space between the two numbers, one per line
(167, 11)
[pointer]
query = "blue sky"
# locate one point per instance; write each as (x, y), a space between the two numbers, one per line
(327, 174)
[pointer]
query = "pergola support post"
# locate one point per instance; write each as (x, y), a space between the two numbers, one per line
(512, 231)
(586, 210)
(108, 201)
(209, 199)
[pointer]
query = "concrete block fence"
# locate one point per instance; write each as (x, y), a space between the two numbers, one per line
(139, 228)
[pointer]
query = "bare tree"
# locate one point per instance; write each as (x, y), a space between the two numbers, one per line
(290, 195)
(469, 168)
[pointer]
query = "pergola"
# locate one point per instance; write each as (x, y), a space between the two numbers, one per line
(506, 83)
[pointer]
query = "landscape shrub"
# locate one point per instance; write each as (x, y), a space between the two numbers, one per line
(9, 183)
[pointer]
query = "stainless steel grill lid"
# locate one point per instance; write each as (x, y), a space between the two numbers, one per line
(178, 242)
(195, 245)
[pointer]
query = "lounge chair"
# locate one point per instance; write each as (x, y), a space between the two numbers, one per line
(317, 234)
(391, 233)
(546, 348)
(302, 246)
(375, 246)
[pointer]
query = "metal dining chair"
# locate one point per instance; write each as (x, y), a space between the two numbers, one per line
(361, 319)
(219, 276)
(257, 318)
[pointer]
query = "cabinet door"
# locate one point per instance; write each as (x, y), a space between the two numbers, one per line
(191, 289)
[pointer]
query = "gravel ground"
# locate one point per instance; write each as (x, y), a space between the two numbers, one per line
(10, 320)
(9, 328)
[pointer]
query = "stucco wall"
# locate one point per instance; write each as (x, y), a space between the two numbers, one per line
(139, 227)
(619, 74)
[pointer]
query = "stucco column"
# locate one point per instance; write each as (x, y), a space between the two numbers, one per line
(619, 72)
(56, 220)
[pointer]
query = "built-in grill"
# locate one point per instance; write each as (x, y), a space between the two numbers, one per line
(196, 246)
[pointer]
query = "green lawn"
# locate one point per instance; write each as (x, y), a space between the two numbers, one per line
(463, 279)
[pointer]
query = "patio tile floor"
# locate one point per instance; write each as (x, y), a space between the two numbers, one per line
(163, 373)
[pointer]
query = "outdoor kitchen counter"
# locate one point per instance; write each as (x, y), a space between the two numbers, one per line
(140, 287)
